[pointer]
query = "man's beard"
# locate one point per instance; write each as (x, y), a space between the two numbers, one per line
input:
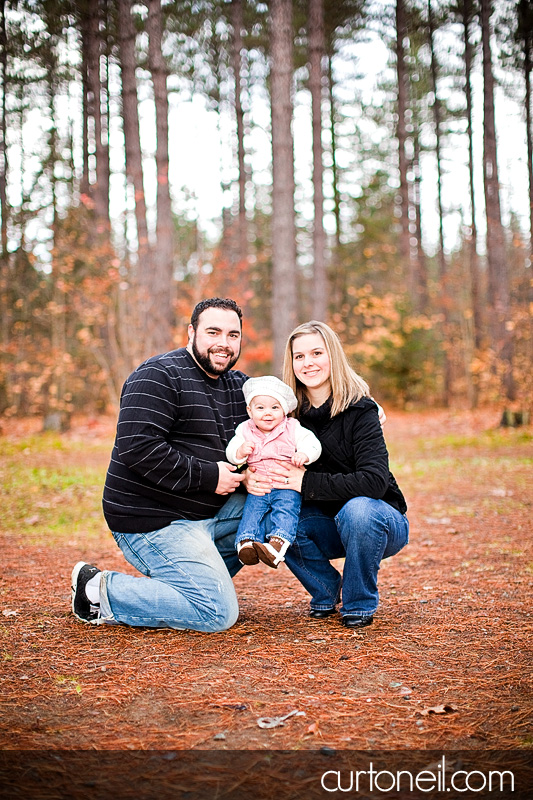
(207, 365)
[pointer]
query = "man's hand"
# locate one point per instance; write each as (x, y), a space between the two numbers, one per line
(228, 479)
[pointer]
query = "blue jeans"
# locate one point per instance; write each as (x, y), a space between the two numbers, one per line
(283, 506)
(363, 532)
(188, 567)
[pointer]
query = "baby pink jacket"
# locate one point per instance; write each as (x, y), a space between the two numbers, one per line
(279, 444)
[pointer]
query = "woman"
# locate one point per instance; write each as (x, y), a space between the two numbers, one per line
(352, 505)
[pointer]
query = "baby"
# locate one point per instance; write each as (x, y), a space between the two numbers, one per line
(270, 436)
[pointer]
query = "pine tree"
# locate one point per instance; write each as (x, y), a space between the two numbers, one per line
(284, 288)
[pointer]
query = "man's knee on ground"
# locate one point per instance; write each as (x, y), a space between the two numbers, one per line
(223, 618)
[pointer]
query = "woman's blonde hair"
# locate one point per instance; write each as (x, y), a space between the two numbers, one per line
(346, 385)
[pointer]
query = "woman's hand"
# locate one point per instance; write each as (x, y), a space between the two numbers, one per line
(287, 476)
(256, 482)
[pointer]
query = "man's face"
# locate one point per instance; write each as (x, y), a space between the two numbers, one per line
(216, 343)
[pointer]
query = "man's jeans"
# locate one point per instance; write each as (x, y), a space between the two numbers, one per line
(364, 532)
(272, 514)
(188, 565)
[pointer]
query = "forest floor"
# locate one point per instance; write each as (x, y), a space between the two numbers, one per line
(446, 664)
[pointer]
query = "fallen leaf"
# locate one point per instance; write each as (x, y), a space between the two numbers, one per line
(445, 708)
(313, 729)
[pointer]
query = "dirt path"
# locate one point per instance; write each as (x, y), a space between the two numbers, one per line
(447, 663)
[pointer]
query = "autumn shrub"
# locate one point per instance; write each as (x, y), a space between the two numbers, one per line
(396, 350)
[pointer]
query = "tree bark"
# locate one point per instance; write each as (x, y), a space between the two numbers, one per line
(100, 190)
(443, 276)
(141, 274)
(401, 134)
(334, 168)
(477, 313)
(130, 114)
(336, 287)
(419, 269)
(499, 295)
(284, 284)
(162, 315)
(316, 56)
(84, 24)
(525, 26)
(238, 26)
(3, 149)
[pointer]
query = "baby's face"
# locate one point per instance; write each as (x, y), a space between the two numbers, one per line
(266, 412)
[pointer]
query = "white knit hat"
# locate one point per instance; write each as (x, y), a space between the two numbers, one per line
(272, 387)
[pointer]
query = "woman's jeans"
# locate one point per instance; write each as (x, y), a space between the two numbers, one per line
(272, 514)
(364, 532)
(188, 567)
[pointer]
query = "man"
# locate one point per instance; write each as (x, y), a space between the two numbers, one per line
(168, 483)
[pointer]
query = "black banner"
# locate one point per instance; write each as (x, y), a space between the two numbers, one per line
(265, 775)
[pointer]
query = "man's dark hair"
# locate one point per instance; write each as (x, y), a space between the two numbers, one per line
(215, 302)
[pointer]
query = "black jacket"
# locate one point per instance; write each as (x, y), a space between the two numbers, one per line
(354, 460)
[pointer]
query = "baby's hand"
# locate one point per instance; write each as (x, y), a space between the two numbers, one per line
(244, 450)
(299, 459)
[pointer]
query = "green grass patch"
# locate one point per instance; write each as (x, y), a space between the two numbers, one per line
(52, 489)
(41, 443)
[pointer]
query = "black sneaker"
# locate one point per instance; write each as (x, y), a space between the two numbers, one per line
(82, 608)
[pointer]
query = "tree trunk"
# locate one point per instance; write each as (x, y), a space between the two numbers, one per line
(5, 276)
(336, 276)
(238, 26)
(477, 312)
(499, 295)
(134, 172)
(284, 284)
(473, 257)
(334, 168)
(418, 256)
(401, 134)
(3, 149)
(443, 276)
(54, 402)
(316, 55)
(162, 316)
(84, 28)
(130, 114)
(525, 24)
(100, 189)
(527, 79)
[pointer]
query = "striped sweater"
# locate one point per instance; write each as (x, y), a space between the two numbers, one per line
(174, 424)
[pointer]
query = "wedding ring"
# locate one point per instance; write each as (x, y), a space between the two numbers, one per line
(286, 480)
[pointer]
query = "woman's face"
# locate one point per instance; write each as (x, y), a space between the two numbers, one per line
(310, 361)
